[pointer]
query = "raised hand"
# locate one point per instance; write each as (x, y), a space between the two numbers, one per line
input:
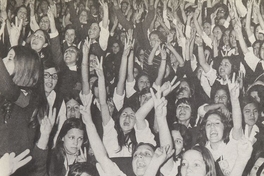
(15, 32)
(161, 155)
(86, 47)
(163, 52)
(47, 123)
(168, 87)
(9, 163)
(99, 68)
(160, 104)
(233, 87)
(83, 156)
(129, 44)
(86, 110)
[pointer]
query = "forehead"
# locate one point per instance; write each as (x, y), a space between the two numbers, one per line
(12, 51)
(39, 32)
(184, 84)
(176, 134)
(143, 78)
(192, 155)
(225, 61)
(184, 104)
(70, 31)
(115, 45)
(259, 161)
(75, 131)
(94, 25)
(250, 106)
(71, 49)
(22, 9)
(45, 18)
(144, 148)
(51, 70)
(221, 92)
(214, 117)
(83, 12)
(128, 110)
(154, 36)
(72, 102)
(217, 28)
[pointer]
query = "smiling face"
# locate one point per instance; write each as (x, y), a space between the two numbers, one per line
(250, 112)
(94, 31)
(153, 39)
(115, 48)
(207, 28)
(183, 113)
(226, 37)
(50, 79)
(70, 36)
(73, 109)
(256, 166)
(214, 128)
(44, 23)
(127, 120)
(83, 17)
(38, 41)
(143, 82)
(185, 91)
(178, 141)
(259, 36)
(73, 141)
(225, 68)
(221, 97)
(9, 62)
(22, 14)
(232, 38)
(217, 33)
(141, 159)
(193, 164)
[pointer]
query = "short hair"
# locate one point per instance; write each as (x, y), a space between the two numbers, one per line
(159, 34)
(185, 133)
(28, 66)
(70, 26)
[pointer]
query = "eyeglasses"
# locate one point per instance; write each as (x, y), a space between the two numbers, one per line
(53, 76)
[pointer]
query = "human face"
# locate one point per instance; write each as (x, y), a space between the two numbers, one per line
(254, 94)
(207, 28)
(93, 61)
(144, 98)
(73, 109)
(217, 33)
(220, 13)
(83, 17)
(193, 164)
(226, 37)
(225, 68)
(70, 36)
(256, 166)
(50, 79)
(250, 112)
(44, 6)
(214, 128)
(259, 36)
(115, 48)
(153, 39)
(256, 48)
(232, 38)
(70, 56)
(183, 113)
(127, 120)
(178, 141)
(93, 10)
(94, 31)
(38, 41)
(44, 23)
(9, 62)
(22, 14)
(141, 159)
(143, 82)
(262, 51)
(123, 38)
(73, 141)
(124, 7)
(185, 91)
(221, 97)
(141, 55)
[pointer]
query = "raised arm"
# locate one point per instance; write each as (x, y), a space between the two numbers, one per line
(233, 87)
(201, 57)
(260, 19)
(248, 19)
(240, 37)
(176, 54)
(85, 67)
(162, 67)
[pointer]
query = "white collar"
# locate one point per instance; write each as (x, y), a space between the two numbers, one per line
(51, 97)
(73, 68)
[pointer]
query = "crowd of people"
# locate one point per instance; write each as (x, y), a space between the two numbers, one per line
(132, 87)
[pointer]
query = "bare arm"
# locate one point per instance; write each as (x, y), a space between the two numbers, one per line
(201, 57)
(85, 68)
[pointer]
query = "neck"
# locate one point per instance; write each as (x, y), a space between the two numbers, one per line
(250, 127)
(186, 123)
(215, 145)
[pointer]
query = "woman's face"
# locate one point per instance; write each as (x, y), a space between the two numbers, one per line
(183, 112)
(153, 39)
(185, 91)
(9, 62)
(83, 17)
(22, 14)
(44, 23)
(232, 39)
(207, 28)
(50, 79)
(73, 109)
(94, 31)
(70, 56)
(217, 33)
(254, 94)
(93, 61)
(256, 166)
(73, 140)
(214, 128)
(221, 97)
(115, 48)
(143, 82)
(225, 68)
(141, 55)
(226, 37)
(193, 164)
(256, 48)
(70, 36)
(44, 6)
(141, 159)
(178, 141)
(38, 41)
(251, 114)
(259, 36)
(127, 120)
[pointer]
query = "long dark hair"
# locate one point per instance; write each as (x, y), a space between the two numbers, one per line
(123, 139)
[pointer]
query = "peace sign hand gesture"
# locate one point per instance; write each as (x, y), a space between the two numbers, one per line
(15, 32)
(233, 87)
(160, 104)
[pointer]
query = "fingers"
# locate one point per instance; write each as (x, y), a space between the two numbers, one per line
(22, 155)
(153, 95)
(23, 162)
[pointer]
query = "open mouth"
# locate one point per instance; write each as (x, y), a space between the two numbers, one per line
(49, 85)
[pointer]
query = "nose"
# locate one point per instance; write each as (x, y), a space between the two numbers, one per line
(75, 142)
